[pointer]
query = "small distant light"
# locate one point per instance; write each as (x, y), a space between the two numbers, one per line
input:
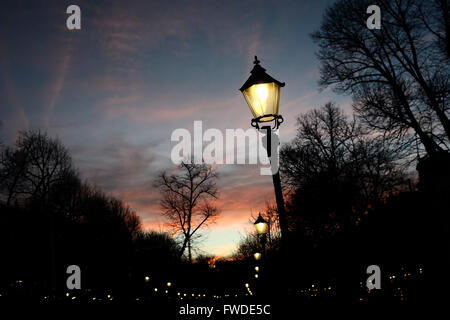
(108, 296)
(178, 293)
(167, 291)
(156, 289)
(184, 294)
(147, 279)
(192, 294)
(256, 276)
(169, 284)
(246, 285)
(67, 294)
(256, 268)
(73, 298)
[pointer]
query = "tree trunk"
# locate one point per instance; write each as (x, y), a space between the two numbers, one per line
(183, 247)
(189, 250)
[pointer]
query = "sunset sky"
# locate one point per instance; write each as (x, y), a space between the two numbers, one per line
(114, 91)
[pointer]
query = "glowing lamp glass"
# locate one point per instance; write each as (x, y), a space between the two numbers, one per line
(263, 100)
(261, 227)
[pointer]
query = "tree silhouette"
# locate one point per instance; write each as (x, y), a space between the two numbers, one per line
(435, 15)
(35, 164)
(62, 220)
(398, 75)
(187, 200)
(330, 147)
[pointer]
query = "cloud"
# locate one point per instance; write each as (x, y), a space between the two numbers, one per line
(57, 86)
(12, 109)
(116, 164)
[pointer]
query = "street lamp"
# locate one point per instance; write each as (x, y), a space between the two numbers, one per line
(261, 225)
(262, 93)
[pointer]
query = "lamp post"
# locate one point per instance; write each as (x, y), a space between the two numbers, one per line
(262, 227)
(262, 94)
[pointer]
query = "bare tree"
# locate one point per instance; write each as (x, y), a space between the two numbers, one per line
(331, 145)
(187, 200)
(435, 15)
(248, 245)
(35, 164)
(398, 75)
(13, 164)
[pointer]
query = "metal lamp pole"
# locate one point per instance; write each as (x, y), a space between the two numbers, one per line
(262, 93)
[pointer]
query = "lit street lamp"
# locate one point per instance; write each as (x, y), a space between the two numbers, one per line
(261, 225)
(262, 93)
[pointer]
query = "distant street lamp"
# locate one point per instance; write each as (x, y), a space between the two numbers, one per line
(262, 93)
(261, 225)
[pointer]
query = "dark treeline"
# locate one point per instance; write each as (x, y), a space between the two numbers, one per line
(353, 200)
(51, 219)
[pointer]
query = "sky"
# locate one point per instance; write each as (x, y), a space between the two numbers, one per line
(114, 91)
